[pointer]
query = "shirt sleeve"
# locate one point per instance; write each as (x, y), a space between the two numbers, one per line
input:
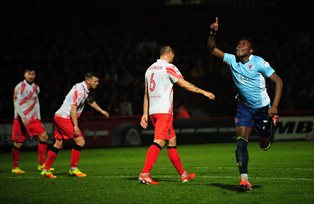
(174, 73)
(265, 68)
(229, 58)
(77, 97)
(16, 101)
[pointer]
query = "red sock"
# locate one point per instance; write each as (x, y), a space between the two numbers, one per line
(151, 157)
(42, 150)
(75, 157)
(175, 159)
(16, 152)
(51, 157)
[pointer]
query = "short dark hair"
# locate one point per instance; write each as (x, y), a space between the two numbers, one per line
(29, 69)
(165, 49)
(249, 40)
(91, 74)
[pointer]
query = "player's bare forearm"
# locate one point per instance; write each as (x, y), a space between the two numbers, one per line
(192, 88)
(211, 43)
(73, 113)
(145, 102)
(278, 92)
(99, 109)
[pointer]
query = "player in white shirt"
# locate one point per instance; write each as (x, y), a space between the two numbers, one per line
(158, 105)
(27, 120)
(66, 123)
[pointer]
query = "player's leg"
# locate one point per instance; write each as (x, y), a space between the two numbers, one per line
(153, 151)
(244, 124)
(151, 158)
(75, 156)
(62, 129)
(51, 157)
(242, 155)
(42, 148)
(16, 154)
(176, 161)
(18, 137)
(265, 128)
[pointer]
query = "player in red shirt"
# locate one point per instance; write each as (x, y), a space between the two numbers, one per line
(158, 105)
(66, 123)
(27, 120)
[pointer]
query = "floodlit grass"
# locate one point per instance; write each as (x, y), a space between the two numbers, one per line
(284, 174)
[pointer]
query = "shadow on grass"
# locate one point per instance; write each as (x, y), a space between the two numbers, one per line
(231, 187)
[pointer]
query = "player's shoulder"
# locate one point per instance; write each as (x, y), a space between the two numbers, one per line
(260, 60)
(229, 56)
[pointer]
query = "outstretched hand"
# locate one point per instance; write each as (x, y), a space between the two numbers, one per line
(214, 26)
(209, 95)
(106, 114)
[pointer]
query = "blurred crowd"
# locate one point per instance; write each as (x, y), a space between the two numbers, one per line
(121, 54)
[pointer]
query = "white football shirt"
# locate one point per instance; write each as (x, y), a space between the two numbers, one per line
(159, 80)
(77, 96)
(26, 102)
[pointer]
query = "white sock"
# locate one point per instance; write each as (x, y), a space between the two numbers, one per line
(244, 177)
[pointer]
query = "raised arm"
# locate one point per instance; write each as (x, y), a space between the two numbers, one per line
(190, 87)
(278, 91)
(211, 43)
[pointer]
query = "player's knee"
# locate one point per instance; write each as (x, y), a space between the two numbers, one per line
(58, 144)
(80, 142)
(77, 147)
(161, 143)
(17, 145)
(54, 149)
(43, 137)
(172, 142)
(241, 143)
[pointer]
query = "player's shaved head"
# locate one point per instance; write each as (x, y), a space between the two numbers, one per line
(90, 74)
(165, 50)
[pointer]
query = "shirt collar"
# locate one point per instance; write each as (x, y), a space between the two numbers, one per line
(85, 87)
(162, 60)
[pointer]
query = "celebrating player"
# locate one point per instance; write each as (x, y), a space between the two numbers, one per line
(158, 104)
(27, 120)
(66, 123)
(254, 107)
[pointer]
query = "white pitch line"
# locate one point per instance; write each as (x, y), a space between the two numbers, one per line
(235, 167)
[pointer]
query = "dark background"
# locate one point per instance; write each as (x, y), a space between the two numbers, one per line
(64, 39)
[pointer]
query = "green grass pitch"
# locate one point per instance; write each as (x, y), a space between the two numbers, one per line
(284, 174)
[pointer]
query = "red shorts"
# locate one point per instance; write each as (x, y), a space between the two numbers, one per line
(63, 128)
(163, 126)
(20, 133)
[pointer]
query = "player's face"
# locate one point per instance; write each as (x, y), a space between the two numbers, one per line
(93, 82)
(30, 76)
(171, 57)
(243, 48)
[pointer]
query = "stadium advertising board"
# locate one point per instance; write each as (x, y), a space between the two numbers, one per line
(125, 131)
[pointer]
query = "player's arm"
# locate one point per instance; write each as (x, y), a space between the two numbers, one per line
(278, 91)
(99, 109)
(144, 119)
(73, 113)
(192, 88)
(211, 43)
(17, 106)
(37, 108)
